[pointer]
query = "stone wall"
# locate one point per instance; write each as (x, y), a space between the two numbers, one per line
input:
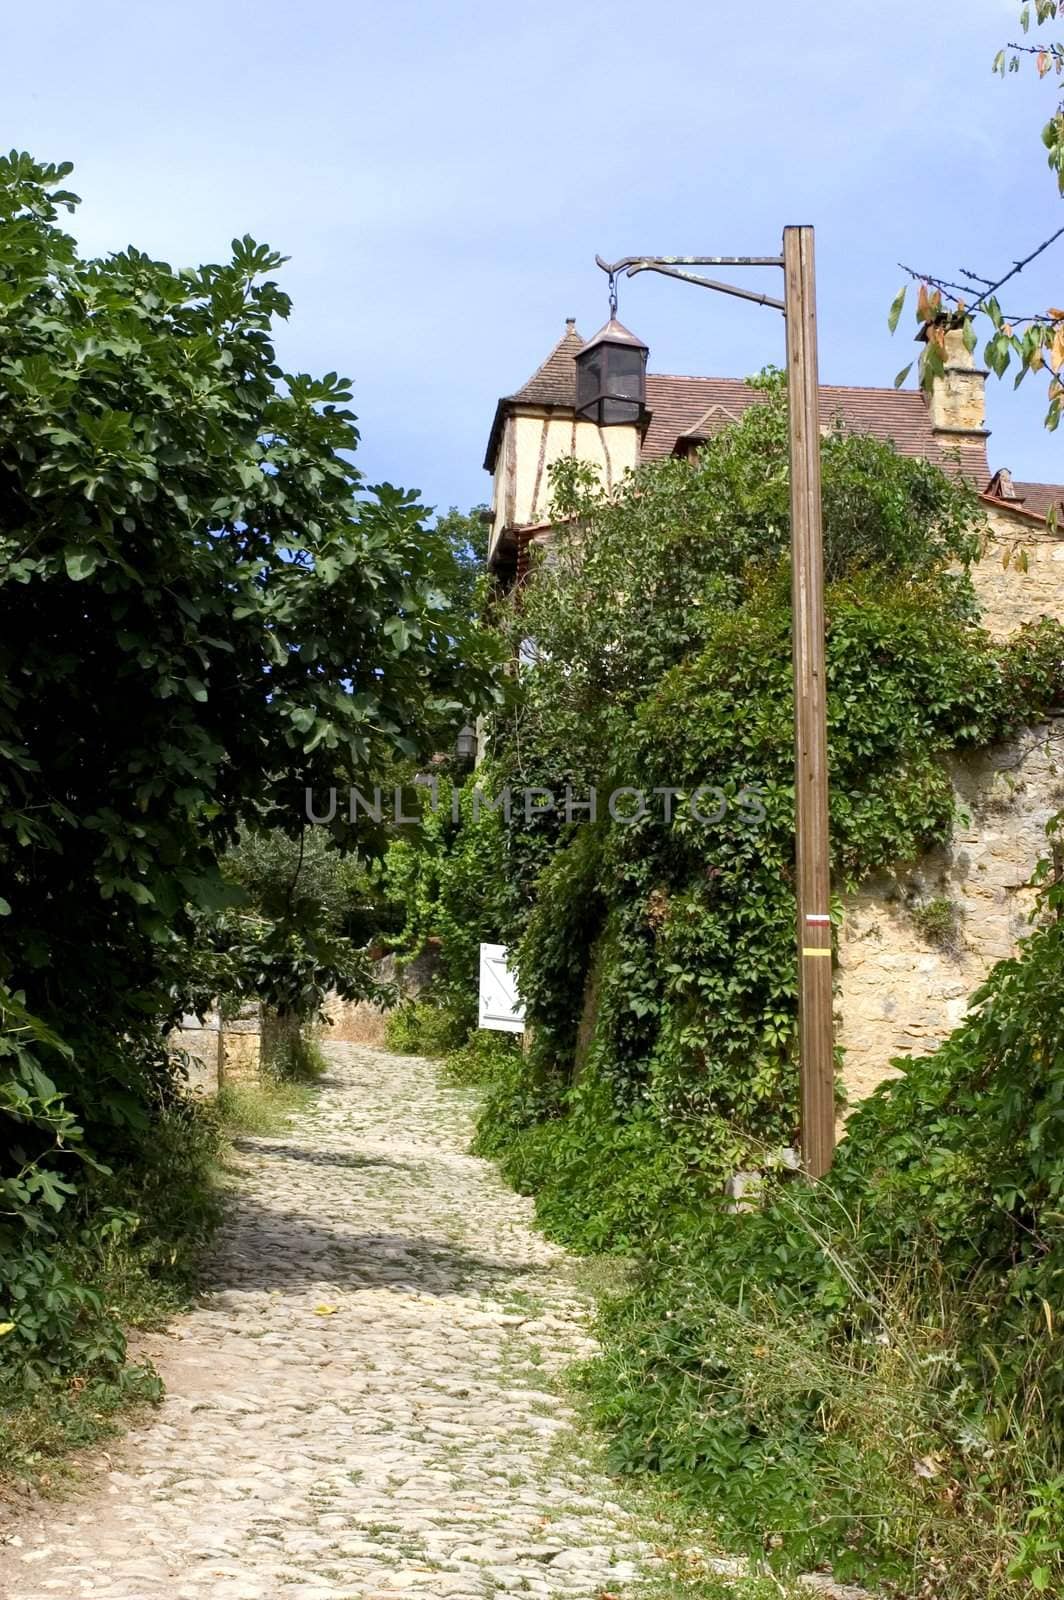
(900, 991)
(242, 1045)
(230, 1050)
(219, 1051)
(359, 1021)
(1008, 595)
(200, 1040)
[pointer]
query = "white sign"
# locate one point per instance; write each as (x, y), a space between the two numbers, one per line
(500, 1006)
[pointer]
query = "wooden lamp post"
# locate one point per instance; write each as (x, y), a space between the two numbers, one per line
(815, 1026)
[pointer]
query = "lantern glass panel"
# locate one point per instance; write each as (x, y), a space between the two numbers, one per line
(611, 381)
(624, 388)
(589, 382)
(613, 411)
(626, 373)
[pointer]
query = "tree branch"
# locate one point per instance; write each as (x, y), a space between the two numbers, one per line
(954, 291)
(1017, 267)
(1054, 50)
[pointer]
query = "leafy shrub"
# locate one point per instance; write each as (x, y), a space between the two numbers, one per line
(866, 1371)
(424, 1028)
(196, 589)
(521, 1099)
(604, 1181)
(483, 1057)
(123, 1254)
(554, 956)
(309, 879)
(132, 1239)
(448, 877)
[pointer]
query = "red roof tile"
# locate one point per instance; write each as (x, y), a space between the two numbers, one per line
(554, 383)
(697, 408)
(1038, 497)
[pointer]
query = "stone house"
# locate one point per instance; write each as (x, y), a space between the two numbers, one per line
(899, 990)
(574, 405)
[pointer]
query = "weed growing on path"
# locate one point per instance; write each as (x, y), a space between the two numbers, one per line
(263, 1107)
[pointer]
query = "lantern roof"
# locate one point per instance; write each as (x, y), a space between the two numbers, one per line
(614, 332)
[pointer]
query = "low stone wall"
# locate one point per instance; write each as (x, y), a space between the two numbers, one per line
(353, 1021)
(219, 1051)
(360, 1022)
(226, 1051)
(900, 993)
(202, 1043)
(242, 1045)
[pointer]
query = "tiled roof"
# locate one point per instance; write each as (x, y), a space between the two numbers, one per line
(697, 408)
(1033, 500)
(694, 409)
(1038, 497)
(554, 383)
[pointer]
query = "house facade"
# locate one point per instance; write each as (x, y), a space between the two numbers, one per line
(897, 993)
(574, 406)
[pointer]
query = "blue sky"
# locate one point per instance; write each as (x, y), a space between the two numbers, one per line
(443, 174)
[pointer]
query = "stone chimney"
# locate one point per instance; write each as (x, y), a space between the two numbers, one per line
(958, 398)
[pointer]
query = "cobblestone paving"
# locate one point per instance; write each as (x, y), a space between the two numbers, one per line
(361, 1406)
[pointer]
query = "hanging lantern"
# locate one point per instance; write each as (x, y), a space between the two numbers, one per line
(611, 377)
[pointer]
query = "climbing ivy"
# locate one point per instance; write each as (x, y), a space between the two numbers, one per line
(657, 961)
(656, 643)
(656, 955)
(867, 1371)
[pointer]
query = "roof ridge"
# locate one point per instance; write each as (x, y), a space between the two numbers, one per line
(682, 408)
(854, 388)
(695, 377)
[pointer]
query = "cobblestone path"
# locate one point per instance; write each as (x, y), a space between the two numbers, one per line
(362, 1405)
